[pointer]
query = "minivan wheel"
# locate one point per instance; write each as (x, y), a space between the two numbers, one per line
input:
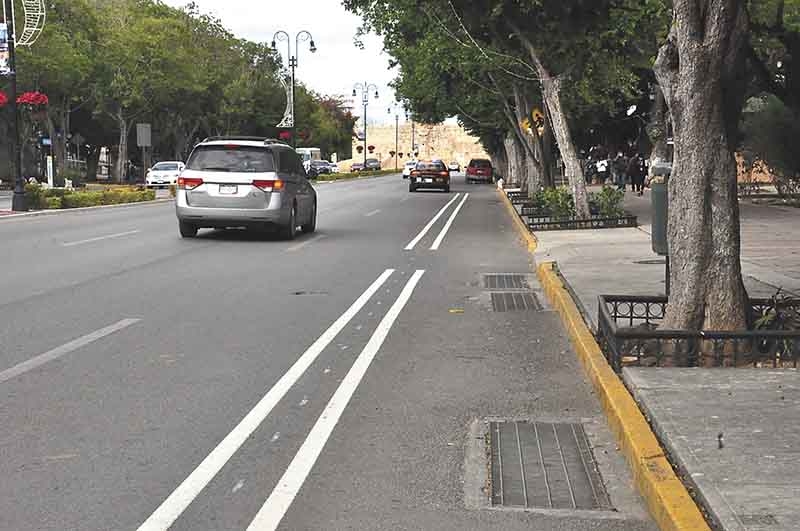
(290, 230)
(311, 226)
(187, 229)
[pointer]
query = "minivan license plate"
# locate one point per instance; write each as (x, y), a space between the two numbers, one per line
(227, 188)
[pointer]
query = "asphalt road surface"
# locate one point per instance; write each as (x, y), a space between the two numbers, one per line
(234, 382)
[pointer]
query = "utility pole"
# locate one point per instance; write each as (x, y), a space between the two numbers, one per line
(18, 200)
(396, 133)
(365, 88)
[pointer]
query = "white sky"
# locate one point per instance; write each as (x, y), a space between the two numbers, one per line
(336, 66)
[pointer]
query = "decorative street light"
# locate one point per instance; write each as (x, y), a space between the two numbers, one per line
(280, 35)
(365, 88)
(396, 107)
(34, 24)
(410, 117)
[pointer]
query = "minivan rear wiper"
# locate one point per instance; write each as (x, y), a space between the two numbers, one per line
(215, 168)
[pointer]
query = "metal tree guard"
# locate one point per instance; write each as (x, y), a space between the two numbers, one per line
(35, 16)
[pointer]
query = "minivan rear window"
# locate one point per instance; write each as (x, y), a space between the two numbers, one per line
(480, 163)
(240, 159)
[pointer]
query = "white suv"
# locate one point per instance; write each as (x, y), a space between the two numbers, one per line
(248, 182)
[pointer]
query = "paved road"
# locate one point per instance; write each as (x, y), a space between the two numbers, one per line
(231, 382)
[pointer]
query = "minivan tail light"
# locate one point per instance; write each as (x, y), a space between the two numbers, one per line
(275, 185)
(444, 174)
(415, 173)
(189, 183)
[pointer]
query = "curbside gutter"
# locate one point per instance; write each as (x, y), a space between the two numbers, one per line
(666, 497)
(56, 211)
(526, 235)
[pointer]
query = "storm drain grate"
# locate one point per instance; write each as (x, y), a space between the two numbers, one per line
(504, 281)
(542, 465)
(758, 519)
(514, 302)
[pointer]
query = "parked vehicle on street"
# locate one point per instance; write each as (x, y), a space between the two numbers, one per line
(357, 166)
(454, 166)
(407, 167)
(479, 170)
(320, 167)
(334, 167)
(429, 174)
(373, 165)
(163, 173)
(248, 182)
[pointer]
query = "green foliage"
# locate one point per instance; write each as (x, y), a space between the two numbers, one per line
(555, 202)
(39, 197)
(609, 202)
(354, 175)
(53, 202)
(769, 132)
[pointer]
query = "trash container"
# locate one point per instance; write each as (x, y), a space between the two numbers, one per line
(660, 203)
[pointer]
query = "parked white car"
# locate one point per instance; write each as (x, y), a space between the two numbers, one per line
(164, 173)
(334, 167)
(408, 168)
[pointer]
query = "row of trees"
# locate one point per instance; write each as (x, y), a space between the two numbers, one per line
(582, 66)
(108, 64)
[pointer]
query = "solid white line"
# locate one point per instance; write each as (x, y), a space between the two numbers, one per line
(274, 509)
(108, 237)
(307, 242)
(370, 214)
(438, 241)
(179, 500)
(425, 230)
(64, 349)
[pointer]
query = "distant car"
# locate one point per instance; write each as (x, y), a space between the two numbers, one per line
(407, 167)
(480, 170)
(319, 167)
(454, 166)
(373, 165)
(357, 166)
(429, 174)
(333, 167)
(163, 174)
(245, 182)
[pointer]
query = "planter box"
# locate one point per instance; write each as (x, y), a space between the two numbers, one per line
(629, 335)
(545, 223)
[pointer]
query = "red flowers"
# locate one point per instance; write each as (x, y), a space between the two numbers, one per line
(3, 98)
(33, 98)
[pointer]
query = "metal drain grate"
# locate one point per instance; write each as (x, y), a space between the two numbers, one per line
(505, 281)
(544, 465)
(514, 302)
(758, 520)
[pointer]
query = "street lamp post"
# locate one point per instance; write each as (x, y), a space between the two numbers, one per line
(396, 133)
(18, 200)
(365, 88)
(304, 36)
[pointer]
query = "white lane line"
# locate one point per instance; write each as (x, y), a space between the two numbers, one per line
(99, 238)
(370, 214)
(177, 502)
(64, 349)
(274, 509)
(438, 241)
(305, 243)
(427, 227)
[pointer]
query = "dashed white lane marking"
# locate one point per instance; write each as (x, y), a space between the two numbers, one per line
(64, 349)
(413, 243)
(438, 241)
(305, 243)
(274, 509)
(177, 502)
(370, 214)
(99, 238)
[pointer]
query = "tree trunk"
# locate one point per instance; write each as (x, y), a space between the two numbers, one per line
(699, 69)
(522, 113)
(547, 154)
(92, 161)
(500, 163)
(120, 165)
(657, 131)
(512, 179)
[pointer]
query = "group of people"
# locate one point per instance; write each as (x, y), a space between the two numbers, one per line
(621, 171)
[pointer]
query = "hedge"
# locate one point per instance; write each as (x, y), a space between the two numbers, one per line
(40, 198)
(355, 175)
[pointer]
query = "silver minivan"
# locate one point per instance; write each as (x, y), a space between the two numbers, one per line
(247, 182)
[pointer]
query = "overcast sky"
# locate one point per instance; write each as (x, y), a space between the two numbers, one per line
(336, 66)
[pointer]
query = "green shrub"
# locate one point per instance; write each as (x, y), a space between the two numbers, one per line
(35, 196)
(81, 199)
(554, 202)
(609, 202)
(53, 202)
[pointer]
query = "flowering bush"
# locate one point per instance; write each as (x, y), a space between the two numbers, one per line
(3, 98)
(33, 99)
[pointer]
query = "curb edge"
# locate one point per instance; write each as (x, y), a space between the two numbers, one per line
(57, 211)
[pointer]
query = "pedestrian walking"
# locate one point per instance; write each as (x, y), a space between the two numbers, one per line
(602, 170)
(620, 169)
(637, 169)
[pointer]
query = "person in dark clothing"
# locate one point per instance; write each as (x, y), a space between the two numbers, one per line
(637, 172)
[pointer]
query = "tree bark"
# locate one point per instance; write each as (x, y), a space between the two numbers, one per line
(699, 69)
(512, 179)
(657, 131)
(120, 165)
(92, 161)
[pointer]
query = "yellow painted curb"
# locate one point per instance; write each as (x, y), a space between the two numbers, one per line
(524, 232)
(666, 497)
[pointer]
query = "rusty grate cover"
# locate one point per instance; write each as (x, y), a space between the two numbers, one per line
(505, 281)
(544, 465)
(514, 302)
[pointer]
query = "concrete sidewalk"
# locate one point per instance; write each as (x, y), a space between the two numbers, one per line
(732, 432)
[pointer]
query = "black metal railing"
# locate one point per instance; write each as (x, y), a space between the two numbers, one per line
(629, 335)
(542, 223)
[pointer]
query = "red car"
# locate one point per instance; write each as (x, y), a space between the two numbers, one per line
(479, 170)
